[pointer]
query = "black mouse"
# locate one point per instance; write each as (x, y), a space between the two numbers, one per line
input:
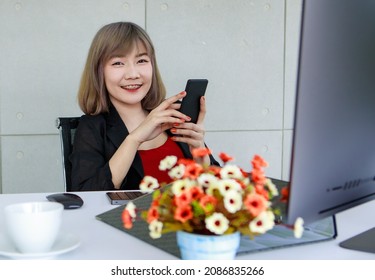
(69, 200)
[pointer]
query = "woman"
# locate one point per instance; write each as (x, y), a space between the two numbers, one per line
(128, 126)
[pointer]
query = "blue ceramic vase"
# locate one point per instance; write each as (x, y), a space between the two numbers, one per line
(207, 247)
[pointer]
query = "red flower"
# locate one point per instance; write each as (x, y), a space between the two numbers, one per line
(284, 194)
(200, 152)
(183, 199)
(255, 204)
(207, 200)
(155, 202)
(185, 161)
(258, 177)
(152, 214)
(262, 191)
(258, 162)
(244, 173)
(127, 219)
(225, 157)
(196, 193)
(193, 170)
(242, 184)
(183, 213)
(215, 170)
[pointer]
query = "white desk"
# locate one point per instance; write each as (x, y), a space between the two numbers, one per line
(102, 241)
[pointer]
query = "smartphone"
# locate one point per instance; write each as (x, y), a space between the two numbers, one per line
(121, 198)
(190, 104)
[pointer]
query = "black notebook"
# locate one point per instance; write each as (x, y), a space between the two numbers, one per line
(278, 237)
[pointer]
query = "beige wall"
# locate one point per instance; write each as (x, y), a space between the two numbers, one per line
(247, 50)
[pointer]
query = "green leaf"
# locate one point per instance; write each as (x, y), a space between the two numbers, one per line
(197, 209)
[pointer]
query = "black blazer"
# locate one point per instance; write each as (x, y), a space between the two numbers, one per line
(96, 140)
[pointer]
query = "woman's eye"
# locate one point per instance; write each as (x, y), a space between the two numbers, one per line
(117, 63)
(143, 60)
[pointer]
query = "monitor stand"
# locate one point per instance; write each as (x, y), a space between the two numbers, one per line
(362, 242)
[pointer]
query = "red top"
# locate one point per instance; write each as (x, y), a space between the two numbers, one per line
(151, 159)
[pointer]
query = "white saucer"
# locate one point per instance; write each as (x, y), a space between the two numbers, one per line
(65, 242)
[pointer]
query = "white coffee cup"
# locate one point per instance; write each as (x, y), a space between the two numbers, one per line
(33, 227)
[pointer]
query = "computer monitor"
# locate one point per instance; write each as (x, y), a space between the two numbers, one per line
(333, 153)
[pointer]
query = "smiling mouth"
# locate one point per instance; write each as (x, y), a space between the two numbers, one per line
(131, 87)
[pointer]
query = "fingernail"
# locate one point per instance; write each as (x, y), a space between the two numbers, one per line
(173, 130)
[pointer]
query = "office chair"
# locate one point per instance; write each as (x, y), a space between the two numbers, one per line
(67, 127)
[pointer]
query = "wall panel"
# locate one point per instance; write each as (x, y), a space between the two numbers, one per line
(237, 45)
(44, 45)
(245, 144)
(31, 164)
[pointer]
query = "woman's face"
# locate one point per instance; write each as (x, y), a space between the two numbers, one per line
(128, 77)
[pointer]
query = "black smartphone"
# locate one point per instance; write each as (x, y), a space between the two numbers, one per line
(190, 104)
(123, 197)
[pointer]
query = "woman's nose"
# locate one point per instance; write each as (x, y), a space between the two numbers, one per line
(131, 72)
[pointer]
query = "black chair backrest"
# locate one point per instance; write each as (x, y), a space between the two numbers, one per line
(67, 127)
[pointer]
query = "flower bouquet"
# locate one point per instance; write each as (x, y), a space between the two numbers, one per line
(209, 200)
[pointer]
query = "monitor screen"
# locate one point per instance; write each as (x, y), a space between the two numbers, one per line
(333, 153)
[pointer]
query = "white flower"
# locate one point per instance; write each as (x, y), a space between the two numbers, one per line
(206, 180)
(181, 185)
(272, 188)
(167, 163)
(227, 185)
(298, 228)
(148, 184)
(263, 222)
(217, 223)
(177, 172)
(233, 201)
(231, 171)
(131, 209)
(155, 228)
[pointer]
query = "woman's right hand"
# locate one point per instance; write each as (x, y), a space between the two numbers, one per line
(160, 119)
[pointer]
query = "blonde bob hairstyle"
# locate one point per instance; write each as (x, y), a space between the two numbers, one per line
(112, 39)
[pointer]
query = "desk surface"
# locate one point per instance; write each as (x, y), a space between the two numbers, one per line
(100, 241)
